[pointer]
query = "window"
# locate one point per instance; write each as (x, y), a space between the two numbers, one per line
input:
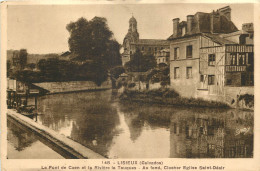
(229, 82)
(189, 51)
(250, 58)
(167, 54)
(201, 78)
(189, 72)
(233, 58)
(212, 59)
(131, 52)
(176, 53)
(161, 48)
(142, 48)
(155, 49)
(211, 80)
(242, 59)
(176, 72)
(150, 48)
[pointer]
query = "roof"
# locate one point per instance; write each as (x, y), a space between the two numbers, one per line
(214, 37)
(214, 22)
(185, 36)
(218, 39)
(132, 19)
(153, 41)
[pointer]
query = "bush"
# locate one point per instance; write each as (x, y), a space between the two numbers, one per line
(131, 85)
(248, 98)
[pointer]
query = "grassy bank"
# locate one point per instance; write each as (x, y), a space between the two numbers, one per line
(167, 97)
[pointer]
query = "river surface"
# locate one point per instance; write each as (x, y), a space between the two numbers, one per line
(131, 130)
(24, 144)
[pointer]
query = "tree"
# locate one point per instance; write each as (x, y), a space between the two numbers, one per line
(31, 66)
(23, 58)
(140, 62)
(93, 40)
(116, 71)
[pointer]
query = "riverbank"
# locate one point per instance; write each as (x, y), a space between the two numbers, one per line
(72, 86)
(167, 97)
(71, 147)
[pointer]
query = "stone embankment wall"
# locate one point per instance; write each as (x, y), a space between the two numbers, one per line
(59, 87)
(73, 148)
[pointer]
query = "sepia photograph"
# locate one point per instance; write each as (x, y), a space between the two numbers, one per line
(129, 81)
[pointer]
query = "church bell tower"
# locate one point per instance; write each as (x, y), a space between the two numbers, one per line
(131, 37)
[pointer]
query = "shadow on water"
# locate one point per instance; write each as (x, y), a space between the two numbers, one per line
(196, 132)
(24, 143)
(98, 121)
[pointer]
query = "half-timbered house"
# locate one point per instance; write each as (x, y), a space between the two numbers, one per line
(209, 54)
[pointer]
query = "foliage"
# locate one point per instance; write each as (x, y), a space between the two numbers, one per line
(93, 40)
(131, 85)
(248, 98)
(92, 43)
(8, 68)
(54, 69)
(116, 71)
(23, 57)
(140, 62)
(168, 97)
(160, 74)
(31, 66)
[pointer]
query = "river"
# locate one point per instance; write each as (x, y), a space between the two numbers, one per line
(130, 130)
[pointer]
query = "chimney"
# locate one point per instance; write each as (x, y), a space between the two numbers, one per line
(215, 24)
(175, 27)
(190, 19)
(225, 11)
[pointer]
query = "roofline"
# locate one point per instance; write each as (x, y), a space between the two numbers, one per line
(183, 37)
(199, 34)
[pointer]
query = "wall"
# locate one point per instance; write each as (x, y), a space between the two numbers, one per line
(234, 77)
(185, 87)
(58, 87)
(218, 69)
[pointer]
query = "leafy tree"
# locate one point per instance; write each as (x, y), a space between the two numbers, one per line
(140, 62)
(116, 71)
(8, 68)
(93, 40)
(23, 58)
(92, 43)
(31, 66)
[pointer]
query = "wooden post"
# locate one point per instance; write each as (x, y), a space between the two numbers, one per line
(36, 102)
(26, 97)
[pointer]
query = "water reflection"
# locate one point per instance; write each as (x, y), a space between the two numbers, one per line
(24, 144)
(212, 133)
(118, 130)
(88, 118)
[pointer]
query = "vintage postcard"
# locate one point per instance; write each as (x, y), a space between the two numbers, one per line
(129, 85)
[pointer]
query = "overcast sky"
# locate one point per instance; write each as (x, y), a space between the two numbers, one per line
(42, 28)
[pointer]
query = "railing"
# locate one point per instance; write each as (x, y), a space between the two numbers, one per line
(235, 68)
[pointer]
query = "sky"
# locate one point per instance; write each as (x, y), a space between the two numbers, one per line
(42, 28)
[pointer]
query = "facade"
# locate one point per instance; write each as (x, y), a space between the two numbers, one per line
(208, 53)
(163, 56)
(132, 42)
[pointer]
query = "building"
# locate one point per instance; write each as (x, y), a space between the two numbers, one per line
(132, 42)
(208, 54)
(163, 56)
